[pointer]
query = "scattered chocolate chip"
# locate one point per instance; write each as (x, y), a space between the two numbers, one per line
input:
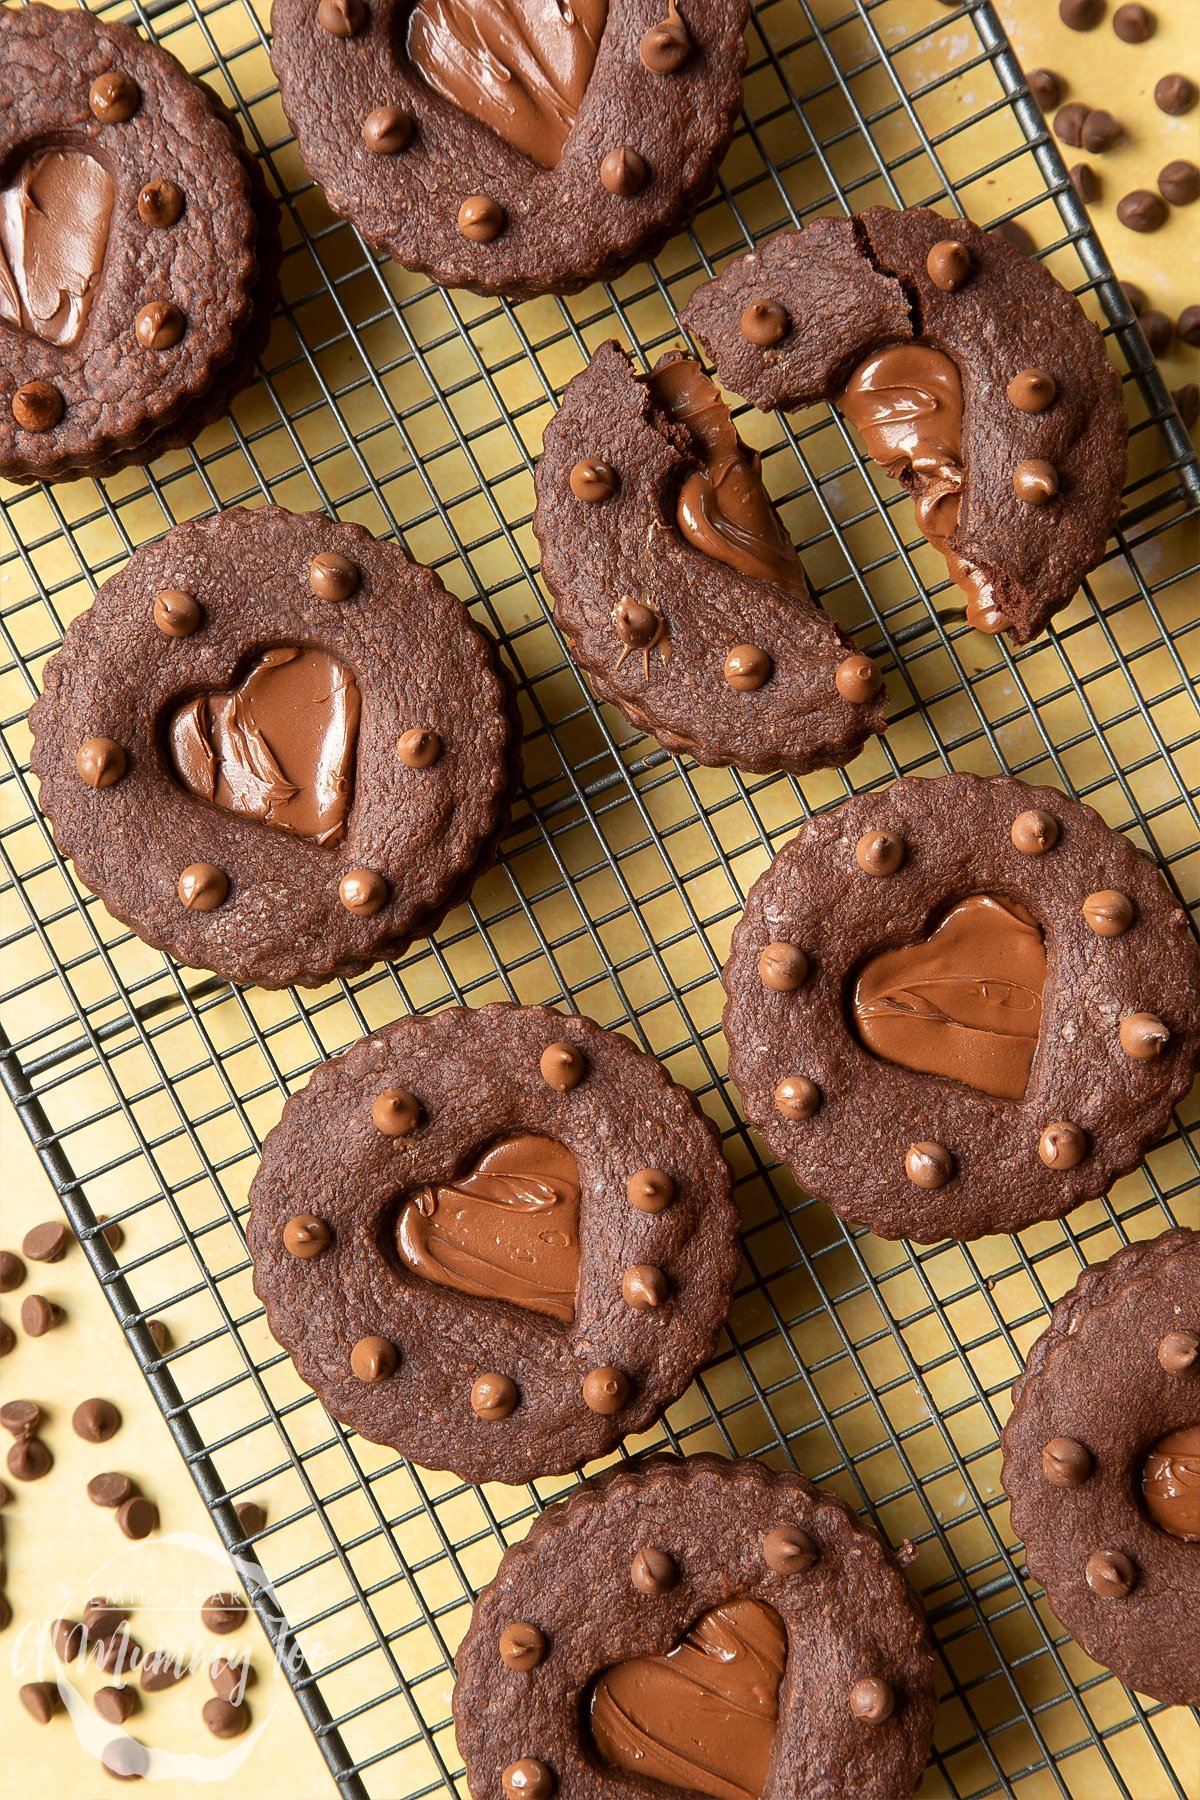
(1069, 121)
(225, 1718)
(1187, 399)
(67, 1636)
(12, 1271)
(41, 1700)
(47, 1243)
(251, 1516)
(160, 1332)
(160, 1670)
(1046, 88)
(1100, 131)
(95, 1421)
(1179, 182)
(7, 1337)
(113, 1236)
(102, 1618)
(20, 1418)
(231, 1677)
(29, 1459)
(1080, 15)
(5, 1495)
(5, 1613)
(1141, 210)
(110, 1489)
(1188, 325)
(115, 1703)
(223, 1612)
(1175, 94)
(137, 1516)
(1156, 329)
(1135, 296)
(1086, 182)
(39, 1315)
(1133, 24)
(119, 1654)
(125, 1759)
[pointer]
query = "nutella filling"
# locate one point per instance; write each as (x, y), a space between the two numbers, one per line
(965, 1004)
(703, 1716)
(1171, 1483)
(520, 66)
(280, 747)
(507, 1230)
(907, 404)
(723, 509)
(54, 220)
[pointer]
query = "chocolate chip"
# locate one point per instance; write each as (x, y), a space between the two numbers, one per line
(115, 1703)
(223, 1612)
(160, 1670)
(102, 1618)
(1141, 210)
(7, 1337)
(1179, 182)
(1175, 94)
(41, 1700)
(67, 1636)
(95, 1421)
(623, 172)
(1187, 399)
(1069, 122)
(39, 1315)
(21, 1418)
(481, 218)
(1100, 131)
(5, 1495)
(137, 1516)
(161, 1333)
(47, 1243)
(1085, 181)
(1046, 88)
(37, 406)
(1188, 325)
(251, 1516)
(12, 1271)
(1135, 296)
(5, 1613)
(125, 1759)
(1156, 329)
(1080, 15)
(111, 1489)
(29, 1459)
(225, 1718)
(231, 1676)
(387, 130)
(114, 1237)
(119, 1654)
(1133, 24)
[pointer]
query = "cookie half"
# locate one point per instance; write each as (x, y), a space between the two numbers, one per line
(960, 1006)
(276, 747)
(1102, 1464)
(741, 1635)
(498, 1241)
(971, 375)
(139, 249)
(512, 147)
(676, 583)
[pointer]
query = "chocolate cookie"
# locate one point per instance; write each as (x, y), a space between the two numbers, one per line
(960, 1006)
(499, 1241)
(275, 747)
(139, 249)
(742, 1636)
(676, 583)
(1102, 1464)
(972, 376)
(513, 147)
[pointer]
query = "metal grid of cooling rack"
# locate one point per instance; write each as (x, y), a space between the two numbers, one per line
(879, 1368)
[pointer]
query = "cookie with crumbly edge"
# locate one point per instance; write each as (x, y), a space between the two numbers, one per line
(1102, 1463)
(805, 1665)
(498, 1240)
(598, 140)
(179, 775)
(1044, 965)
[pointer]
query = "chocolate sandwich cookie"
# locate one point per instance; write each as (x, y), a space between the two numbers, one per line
(676, 583)
(743, 1637)
(972, 377)
(276, 747)
(139, 249)
(499, 1241)
(513, 147)
(960, 1006)
(1102, 1464)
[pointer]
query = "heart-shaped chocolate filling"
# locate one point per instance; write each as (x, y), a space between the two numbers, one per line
(702, 1716)
(279, 747)
(54, 220)
(508, 1229)
(965, 1003)
(521, 66)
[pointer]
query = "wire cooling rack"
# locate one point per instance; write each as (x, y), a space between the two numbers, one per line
(878, 1368)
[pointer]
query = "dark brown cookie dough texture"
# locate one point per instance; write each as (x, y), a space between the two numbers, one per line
(1017, 458)
(276, 747)
(139, 249)
(702, 1625)
(1102, 1464)
(520, 148)
(961, 1006)
(677, 585)
(498, 1240)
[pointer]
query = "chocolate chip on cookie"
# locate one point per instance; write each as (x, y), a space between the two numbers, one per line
(255, 676)
(934, 337)
(676, 583)
(495, 1297)
(1102, 1464)
(703, 1625)
(516, 148)
(994, 1021)
(139, 249)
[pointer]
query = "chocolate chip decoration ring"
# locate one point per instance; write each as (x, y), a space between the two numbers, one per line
(1110, 1514)
(928, 1019)
(228, 779)
(432, 1190)
(742, 1635)
(485, 128)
